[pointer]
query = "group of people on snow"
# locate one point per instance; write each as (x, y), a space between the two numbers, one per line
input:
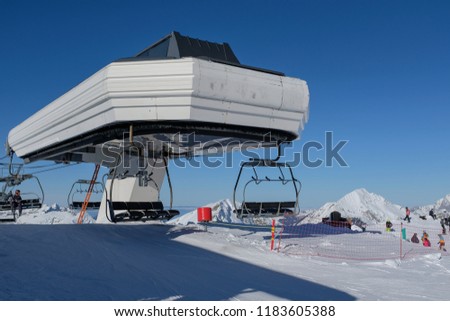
(425, 239)
(445, 219)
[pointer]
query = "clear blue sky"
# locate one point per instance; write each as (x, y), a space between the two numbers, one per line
(378, 74)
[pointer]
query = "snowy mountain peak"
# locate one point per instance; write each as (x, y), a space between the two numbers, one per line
(359, 191)
(53, 208)
(362, 196)
(441, 207)
(361, 204)
(443, 203)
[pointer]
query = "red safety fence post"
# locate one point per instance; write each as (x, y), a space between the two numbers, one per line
(273, 235)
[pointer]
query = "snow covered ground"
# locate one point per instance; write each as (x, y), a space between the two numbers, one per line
(47, 257)
(163, 262)
(53, 214)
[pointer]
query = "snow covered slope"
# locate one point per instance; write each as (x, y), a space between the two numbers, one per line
(53, 214)
(163, 262)
(361, 204)
(175, 262)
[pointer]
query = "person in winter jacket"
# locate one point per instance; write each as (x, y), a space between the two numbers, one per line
(425, 241)
(16, 202)
(444, 215)
(444, 231)
(407, 217)
(388, 226)
(432, 214)
(415, 238)
(441, 243)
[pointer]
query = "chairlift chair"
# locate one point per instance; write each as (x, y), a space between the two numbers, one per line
(79, 189)
(264, 208)
(141, 211)
(30, 200)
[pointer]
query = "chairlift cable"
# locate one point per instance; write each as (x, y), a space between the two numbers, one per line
(31, 167)
(52, 169)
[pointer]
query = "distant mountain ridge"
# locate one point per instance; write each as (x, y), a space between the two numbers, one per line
(360, 204)
(441, 207)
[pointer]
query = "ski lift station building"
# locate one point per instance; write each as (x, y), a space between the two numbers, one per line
(149, 104)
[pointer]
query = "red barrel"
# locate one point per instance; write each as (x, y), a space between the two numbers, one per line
(204, 214)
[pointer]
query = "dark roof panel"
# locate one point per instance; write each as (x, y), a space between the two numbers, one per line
(177, 46)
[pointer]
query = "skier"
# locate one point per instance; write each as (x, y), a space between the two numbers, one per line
(443, 226)
(441, 243)
(388, 226)
(415, 238)
(16, 203)
(432, 214)
(446, 218)
(407, 217)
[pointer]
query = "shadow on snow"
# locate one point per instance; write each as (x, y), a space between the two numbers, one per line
(131, 262)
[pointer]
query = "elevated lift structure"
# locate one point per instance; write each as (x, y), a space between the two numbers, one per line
(180, 97)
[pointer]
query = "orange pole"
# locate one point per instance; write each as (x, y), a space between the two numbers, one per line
(88, 195)
(273, 235)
